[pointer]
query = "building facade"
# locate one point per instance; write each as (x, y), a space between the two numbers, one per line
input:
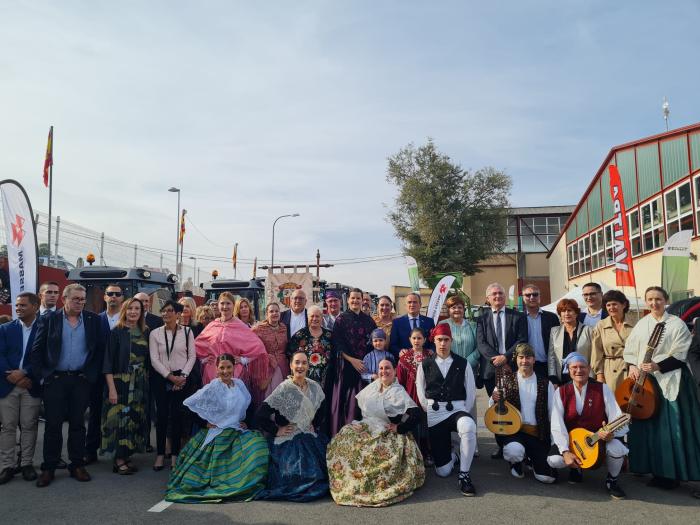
(661, 185)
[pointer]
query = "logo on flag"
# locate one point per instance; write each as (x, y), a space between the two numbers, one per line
(18, 230)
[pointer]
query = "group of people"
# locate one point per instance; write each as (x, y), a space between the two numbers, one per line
(304, 403)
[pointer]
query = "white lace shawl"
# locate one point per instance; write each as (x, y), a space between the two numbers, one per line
(378, 404)
(296, 406)
(220, 405)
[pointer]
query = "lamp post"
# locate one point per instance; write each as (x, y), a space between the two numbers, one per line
(272, 258)
(173, 189)
(194, 272)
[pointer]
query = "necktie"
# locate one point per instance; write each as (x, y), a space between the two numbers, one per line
(499, 330)
(414, 322)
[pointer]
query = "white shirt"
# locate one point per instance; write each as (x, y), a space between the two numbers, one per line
(500, 334)
(560, 434)
(527, 388)
(43, 309)
(26, 332)
(413, 322)
(436, 416)
(112, 319)
(297, 321)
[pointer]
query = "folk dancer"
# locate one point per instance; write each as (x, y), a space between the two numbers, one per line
(446, 390)
(585, 403)
(533, 397)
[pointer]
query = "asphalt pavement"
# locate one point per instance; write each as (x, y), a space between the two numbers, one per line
(110, 498)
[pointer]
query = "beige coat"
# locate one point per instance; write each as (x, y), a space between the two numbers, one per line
(607, 351)
(556, 347)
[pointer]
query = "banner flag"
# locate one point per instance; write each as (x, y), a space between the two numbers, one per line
(413, 277)
(675, 263)
(234, 259)
(624, 270)
(48, 161)
(438, 296)
(279, 287)
(182, 226)
(20, 235)
(511, 295)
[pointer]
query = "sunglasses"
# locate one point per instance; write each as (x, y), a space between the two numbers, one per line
(533, 294)
(114, 294)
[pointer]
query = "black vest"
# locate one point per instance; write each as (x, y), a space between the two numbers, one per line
(450, 388)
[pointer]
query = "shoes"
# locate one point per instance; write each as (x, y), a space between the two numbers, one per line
(575, 475)
(158, 468)
(122, 470)
(80, 474)
(61, 464)
(6, 475)
(131, 467)
(149, 449)
(516, 470)
(28, 473)
(90, 458)
(45, 478)
(466, 487)
(498, 454)
(428, 461)
(614, 489)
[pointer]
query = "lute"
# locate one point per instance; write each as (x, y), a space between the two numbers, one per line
(588, 447)
(503, 419)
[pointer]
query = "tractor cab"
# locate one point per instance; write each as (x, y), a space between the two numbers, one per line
(159, 285)
(252, 290)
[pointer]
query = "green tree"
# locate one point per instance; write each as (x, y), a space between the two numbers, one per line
(447, 218)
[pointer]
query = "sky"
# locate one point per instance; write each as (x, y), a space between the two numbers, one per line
(259, 109)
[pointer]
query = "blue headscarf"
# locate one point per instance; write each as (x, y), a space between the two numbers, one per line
(573, 357)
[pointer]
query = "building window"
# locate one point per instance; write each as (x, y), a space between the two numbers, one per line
(697, 203)
(679, 209)
(511, 236)
(572, 261)
(584, 255)
(597, 249)
(609, 245)
(633, 227)
(652, 226)
(538, 234)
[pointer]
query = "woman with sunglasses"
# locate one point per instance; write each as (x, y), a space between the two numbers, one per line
(173, 355)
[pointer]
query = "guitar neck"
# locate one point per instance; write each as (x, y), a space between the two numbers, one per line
(613, 426)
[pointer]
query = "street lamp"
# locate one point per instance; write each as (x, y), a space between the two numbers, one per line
(272, 259)
(173, 189)
(194, 271)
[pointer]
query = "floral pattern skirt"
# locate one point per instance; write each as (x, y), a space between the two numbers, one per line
(369, 470)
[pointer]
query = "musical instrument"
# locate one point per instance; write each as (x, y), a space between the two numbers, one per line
(503, 419)
(639, 398)
(588, 447)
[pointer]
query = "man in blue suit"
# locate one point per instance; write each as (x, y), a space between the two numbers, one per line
(401, 327)
(20, 400)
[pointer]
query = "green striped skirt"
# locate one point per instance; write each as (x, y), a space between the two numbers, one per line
(232, 467)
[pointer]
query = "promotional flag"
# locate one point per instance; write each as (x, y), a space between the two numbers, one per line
(48, 161)
(438, 296)
(182, 226)
(675, 263)
(20, 233)
(624, 271)
(413, 277)
(511, 295)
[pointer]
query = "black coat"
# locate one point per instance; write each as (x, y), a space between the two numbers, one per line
(548, 320)
(694, 355)
(118, 351)
(48, 344)
(515, 329)
(285, 319)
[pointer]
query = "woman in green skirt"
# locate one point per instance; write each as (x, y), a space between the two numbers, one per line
(224, 461)
(124, 424)
(668, 444)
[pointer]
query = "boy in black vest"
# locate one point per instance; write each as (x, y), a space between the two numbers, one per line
(445, 387)
(532, 396)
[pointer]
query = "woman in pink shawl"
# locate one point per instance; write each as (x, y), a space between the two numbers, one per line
(228, 335)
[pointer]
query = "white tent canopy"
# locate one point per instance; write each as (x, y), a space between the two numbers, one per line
(576, 293)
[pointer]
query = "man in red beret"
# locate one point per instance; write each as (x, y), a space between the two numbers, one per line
(446, 390)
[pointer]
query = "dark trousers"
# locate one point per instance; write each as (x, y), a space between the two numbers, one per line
(169, 413)
(489, 385)
(65, 396)
(440, 438)
(541, 370)
(535, 449)
(94, 429)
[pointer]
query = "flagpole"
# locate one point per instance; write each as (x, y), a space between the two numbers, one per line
(50, 196)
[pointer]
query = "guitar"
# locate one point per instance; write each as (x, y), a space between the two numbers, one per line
(503, 419)
(639, 398)
(588, 447)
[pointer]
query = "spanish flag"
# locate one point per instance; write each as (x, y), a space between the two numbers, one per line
(182, 226)
(48, 161)
(234, 259)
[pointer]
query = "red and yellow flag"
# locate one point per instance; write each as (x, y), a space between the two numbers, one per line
(48, 161)
(234, 259)
(182, 226)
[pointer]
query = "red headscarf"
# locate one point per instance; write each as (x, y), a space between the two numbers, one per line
(441, 329)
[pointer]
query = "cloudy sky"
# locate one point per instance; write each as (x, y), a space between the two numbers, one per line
(256, 109)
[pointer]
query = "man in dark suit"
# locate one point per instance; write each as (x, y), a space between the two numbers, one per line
(539, 325)
(67, 356)
(594, 312)
(498, 331)
(20, 400)
(401, 327)
(48, 295)
(152, 321)
(296, 317)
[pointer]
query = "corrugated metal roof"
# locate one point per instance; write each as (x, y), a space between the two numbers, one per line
(542, 210)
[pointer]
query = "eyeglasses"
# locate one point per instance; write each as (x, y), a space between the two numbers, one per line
(591, 294)
(167, 311)
(114, 294)
(77, 299)
(533, 294)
